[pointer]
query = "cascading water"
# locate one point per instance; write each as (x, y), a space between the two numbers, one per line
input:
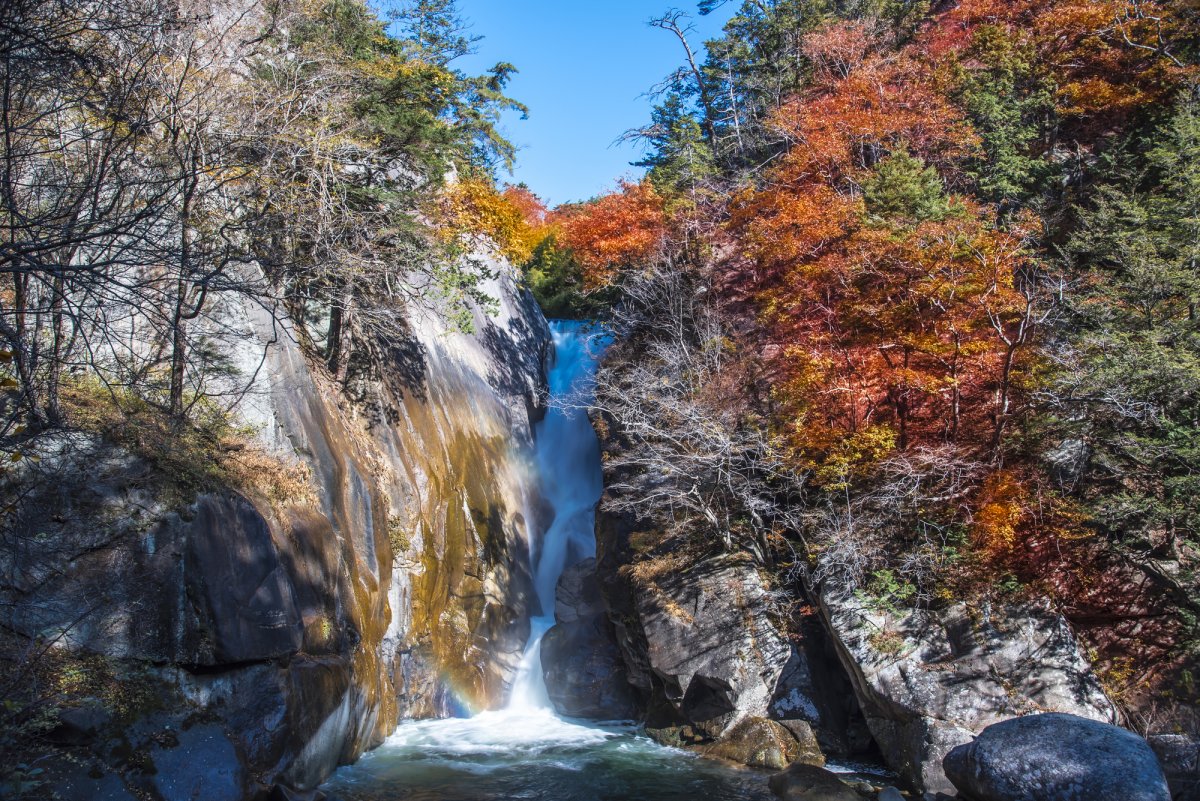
(568, 462)
(526, 751)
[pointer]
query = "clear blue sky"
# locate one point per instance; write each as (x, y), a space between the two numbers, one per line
(583, 68)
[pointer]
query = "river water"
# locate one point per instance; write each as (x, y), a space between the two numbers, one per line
(526, 751)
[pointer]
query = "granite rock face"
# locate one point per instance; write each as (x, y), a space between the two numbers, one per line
(303, 628)
(711, 653)
(928, 681)
(1057, 757)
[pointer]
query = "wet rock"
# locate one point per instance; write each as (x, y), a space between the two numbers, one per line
(584, 673)
(762, 743)
(203, 766)
(890, 794)
(1179, 757)
(802, 782)
(578, 595)
(581, 662)
(929, 680)
(1057, 757)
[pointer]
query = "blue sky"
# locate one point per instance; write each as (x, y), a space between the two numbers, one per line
(583, 68)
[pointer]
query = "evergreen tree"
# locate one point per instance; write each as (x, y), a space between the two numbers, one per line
(1137, 378)
(680, 159)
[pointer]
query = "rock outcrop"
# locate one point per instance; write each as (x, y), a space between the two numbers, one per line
(928, 681)
(581, 663)
(292, 632)
(1057, 757)
(710, 668)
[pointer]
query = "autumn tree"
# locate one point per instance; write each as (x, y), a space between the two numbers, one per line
(626, 228)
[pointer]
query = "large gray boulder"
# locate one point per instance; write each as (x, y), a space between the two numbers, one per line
(711, 645)
(929, 680)
(1057, 757)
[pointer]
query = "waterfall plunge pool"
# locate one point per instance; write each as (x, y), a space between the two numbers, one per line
(533, 754)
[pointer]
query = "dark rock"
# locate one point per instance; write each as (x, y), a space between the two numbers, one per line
(247, 608)
(1057, 757)
(762, 743)
(802, 782)
(1179, 756)
(578, 596)
(581, 661)
(584, 673)
(204, 766)
(890, 794)
(80, 725)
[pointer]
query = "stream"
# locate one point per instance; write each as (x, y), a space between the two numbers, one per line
(526, 751)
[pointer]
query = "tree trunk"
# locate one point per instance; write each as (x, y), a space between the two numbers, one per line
(53, 407)
(178, 351)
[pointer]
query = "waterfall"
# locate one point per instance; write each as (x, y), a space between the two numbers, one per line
(568, 464)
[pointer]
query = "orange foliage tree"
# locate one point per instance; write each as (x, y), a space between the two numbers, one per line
(1105, 57)
(622, 229)
(899, 310)
(515, 219)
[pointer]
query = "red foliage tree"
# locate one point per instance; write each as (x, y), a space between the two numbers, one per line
(621, 229)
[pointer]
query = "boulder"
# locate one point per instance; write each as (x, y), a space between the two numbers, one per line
(581, 661)
(1057, 757)
(762, 743)
(890, 794)
(1179, 756)
(714, 654)
(802, 782)
(929, 680)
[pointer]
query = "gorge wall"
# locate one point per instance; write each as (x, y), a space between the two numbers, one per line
(268, 638)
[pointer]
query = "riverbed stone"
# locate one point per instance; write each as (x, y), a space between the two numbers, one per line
(762, 743)
(1057, 757)
(801, 782)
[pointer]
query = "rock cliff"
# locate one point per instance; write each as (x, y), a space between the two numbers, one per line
(282, 636)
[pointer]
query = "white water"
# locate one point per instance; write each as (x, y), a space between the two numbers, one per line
(568, 463)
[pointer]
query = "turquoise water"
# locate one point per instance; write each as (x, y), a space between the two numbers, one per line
(537, 756)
